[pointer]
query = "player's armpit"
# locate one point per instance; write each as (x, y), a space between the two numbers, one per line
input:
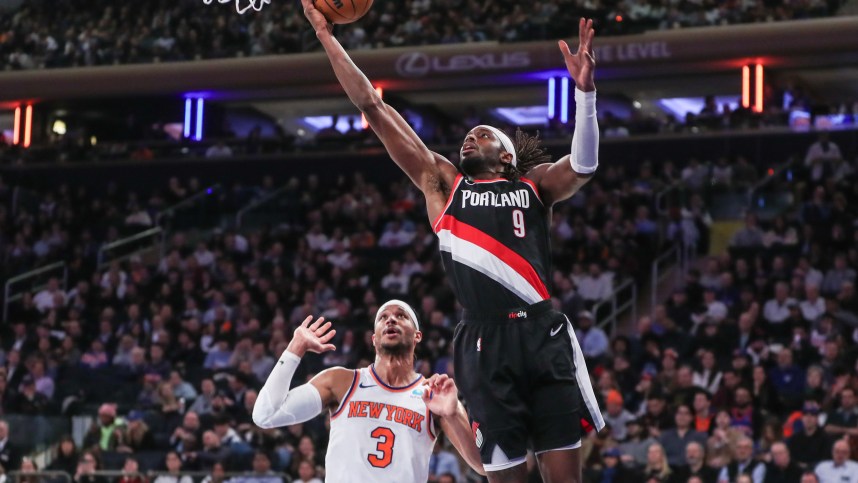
(557, 181)
(333, 385)
(458, 430)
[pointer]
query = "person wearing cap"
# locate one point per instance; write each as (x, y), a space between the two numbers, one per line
(616, 416)
(384, 417)
(810, 444)
(594, 342)
(105, 432)
(614, 471)
(136, 435)
(492, 215)
(29, 400)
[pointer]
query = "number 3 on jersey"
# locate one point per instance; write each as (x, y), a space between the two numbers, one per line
(384, 447)
(518, 223)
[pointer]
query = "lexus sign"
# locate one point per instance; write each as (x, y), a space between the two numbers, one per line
(418, 64)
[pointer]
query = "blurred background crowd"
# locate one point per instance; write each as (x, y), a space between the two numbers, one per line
(144, 366)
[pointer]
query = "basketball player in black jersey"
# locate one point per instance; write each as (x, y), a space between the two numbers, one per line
(517, 361)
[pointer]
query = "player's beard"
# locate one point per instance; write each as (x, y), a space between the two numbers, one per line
(474, 164)
(396, 349)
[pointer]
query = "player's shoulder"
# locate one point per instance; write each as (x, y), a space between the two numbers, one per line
(536, 173)
(338, 377)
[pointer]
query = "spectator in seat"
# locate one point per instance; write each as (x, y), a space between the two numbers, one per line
(616, 416)
(839, 468)
(750, 236)
(10, 455)
(788, 379)
(307, 473)
(47, 298)
(105, 434)
(781, 468)
(131, 472)
(596, 286)
(836, 276)
(66, 457)
(181, 389)
(203, 403)
(29, 401)
(844, 420)
(714, 309)
(395, 283)
(261, 472)
(86, 468)
(190, 428)
(695, 465)
(657, 469)
(612, 472)
(821, 156)
(675, 440)
(594, 341)
(27, 466)
(634, 449)
(137, 436)
(743, 464)
(810, 444)
(211, 453)
(173, 465)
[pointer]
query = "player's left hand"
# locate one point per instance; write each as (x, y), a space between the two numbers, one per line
(582, 63)
(441, 395)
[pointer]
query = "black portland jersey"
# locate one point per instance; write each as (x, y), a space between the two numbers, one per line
(494, 243)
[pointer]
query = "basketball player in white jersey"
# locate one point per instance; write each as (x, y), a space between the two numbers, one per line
(383, 417)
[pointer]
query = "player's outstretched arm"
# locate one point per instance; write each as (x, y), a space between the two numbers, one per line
(442, 399)
(560, 180)
(407, 149)
(276, 404)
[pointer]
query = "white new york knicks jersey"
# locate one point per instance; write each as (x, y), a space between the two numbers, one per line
(380, 433)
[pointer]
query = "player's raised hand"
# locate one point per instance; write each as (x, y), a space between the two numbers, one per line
(313, 337)
(582, 63)
(317, 20)
(441, 395)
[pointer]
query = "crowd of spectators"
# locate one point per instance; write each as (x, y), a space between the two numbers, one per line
(749, 370)
(168, 354)
(66, 33)
(749, 367)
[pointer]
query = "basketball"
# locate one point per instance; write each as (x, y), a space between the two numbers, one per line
(343, 11)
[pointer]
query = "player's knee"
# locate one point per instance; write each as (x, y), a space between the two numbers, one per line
(516, 474)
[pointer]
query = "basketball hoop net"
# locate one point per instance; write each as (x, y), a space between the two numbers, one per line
(256, 5)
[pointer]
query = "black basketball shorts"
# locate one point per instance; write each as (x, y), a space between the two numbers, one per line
(516, 371)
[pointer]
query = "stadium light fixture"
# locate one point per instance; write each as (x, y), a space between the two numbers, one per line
(16, 136)
(28, 126)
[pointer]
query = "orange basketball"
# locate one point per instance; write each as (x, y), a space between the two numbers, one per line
(343, 11)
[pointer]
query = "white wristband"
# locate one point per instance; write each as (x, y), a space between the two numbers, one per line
(585, 140)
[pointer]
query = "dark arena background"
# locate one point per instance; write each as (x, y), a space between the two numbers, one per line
(181, 184)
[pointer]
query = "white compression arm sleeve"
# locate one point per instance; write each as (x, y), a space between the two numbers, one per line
(585, 139)
(277, 406)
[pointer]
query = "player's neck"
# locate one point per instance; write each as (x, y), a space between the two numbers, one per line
(395, 371)
(487, 175)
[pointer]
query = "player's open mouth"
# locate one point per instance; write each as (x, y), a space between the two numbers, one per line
(391, 331)
(468, 148)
